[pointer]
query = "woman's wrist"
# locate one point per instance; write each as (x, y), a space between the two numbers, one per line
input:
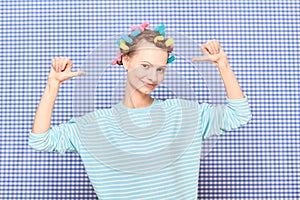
(223, 66)
(53, 84)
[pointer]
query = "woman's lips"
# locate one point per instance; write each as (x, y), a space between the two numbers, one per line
(149, 85)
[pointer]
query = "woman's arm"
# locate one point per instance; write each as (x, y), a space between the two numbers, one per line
(217, 119)
(43, 113)
(231, 84)
(214, 53)
(60, 72)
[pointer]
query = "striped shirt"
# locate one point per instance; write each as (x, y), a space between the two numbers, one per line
(144, 153)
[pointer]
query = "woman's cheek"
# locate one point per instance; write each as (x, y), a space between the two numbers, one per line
(161, 78)
(141, 74)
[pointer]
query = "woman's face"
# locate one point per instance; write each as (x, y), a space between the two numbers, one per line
(146, 68)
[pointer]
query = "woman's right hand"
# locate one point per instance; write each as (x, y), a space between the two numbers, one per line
(61, 70)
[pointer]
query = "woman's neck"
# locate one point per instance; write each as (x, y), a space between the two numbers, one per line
(137, 100)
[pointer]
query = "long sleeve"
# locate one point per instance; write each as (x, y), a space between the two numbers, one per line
(60, 138)
(218, 119)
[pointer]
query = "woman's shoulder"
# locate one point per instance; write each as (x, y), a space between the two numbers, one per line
(93, 115)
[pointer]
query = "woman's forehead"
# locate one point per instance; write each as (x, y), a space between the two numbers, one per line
(155, 57)
(148, 51)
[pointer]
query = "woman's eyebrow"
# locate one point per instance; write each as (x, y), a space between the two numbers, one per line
(164, 66)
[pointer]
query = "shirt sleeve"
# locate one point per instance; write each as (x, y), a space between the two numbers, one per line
(216, 120)
(60, 138)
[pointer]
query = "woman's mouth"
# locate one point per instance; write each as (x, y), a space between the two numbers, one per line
(150, 85)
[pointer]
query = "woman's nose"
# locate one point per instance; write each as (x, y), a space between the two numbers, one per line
(152, 75)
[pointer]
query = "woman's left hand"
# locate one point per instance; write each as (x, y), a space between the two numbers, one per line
(212, 52)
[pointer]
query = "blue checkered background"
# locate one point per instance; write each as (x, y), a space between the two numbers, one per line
(258, 161)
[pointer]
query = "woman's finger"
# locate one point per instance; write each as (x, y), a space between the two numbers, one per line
(69, 65)
(53, 64)
(78, 73)
(200, 59)
(61, 63)
(56, 65)
(204, 49)
(213, 48)
(70, 75)
(65, 62)
(216, 46)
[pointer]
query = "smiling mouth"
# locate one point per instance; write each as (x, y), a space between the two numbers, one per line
(149, 85)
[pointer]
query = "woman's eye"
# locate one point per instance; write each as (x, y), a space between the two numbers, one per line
(160, 70)
(145, 66)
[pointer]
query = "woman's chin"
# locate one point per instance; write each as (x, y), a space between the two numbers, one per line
(146, 90)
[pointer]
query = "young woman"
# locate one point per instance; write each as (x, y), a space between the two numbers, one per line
(160, 161)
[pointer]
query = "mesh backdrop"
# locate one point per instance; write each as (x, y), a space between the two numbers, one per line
(261, 38)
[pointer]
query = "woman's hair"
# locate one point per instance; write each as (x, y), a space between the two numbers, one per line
(146, 36)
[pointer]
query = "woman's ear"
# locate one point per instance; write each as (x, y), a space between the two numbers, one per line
(125, 60)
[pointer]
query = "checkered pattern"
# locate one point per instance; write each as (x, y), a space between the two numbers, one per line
(261, 38)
